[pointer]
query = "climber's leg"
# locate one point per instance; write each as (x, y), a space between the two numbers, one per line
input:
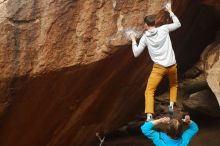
(172, 74)
(154, 79)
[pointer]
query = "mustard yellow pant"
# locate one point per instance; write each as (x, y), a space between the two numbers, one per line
(154, 79)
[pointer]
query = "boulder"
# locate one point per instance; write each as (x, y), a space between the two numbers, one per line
(203, 102)
(210, 64)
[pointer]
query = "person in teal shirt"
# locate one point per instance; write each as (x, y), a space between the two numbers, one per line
(174, 135)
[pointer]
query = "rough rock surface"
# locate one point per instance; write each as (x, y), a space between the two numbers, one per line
(67, 72)
(210, 64)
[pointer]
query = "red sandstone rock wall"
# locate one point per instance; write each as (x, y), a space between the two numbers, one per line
(43, 36)
(64, 74)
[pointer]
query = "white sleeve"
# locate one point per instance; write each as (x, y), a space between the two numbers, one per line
(176, 23)
(138, 49)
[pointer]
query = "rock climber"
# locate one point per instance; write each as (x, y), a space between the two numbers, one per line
(159, 45)
(174, 136)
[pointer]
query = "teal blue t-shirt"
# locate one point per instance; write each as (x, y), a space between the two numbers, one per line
(162, 139)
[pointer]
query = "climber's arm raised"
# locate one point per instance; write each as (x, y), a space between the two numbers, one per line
(191, 131)
(176, 23)
(148, 131)
(138, 49)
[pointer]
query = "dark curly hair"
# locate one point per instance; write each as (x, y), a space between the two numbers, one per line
(175, 128)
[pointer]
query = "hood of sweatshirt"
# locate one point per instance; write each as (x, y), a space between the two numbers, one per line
(151, 32)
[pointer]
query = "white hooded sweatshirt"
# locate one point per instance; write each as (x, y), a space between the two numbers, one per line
(159, 44)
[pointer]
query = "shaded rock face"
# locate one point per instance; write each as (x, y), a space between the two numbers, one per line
(203, 102)
(67, 71)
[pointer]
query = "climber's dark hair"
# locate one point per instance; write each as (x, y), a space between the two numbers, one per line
(150, 20)
(175, 128)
